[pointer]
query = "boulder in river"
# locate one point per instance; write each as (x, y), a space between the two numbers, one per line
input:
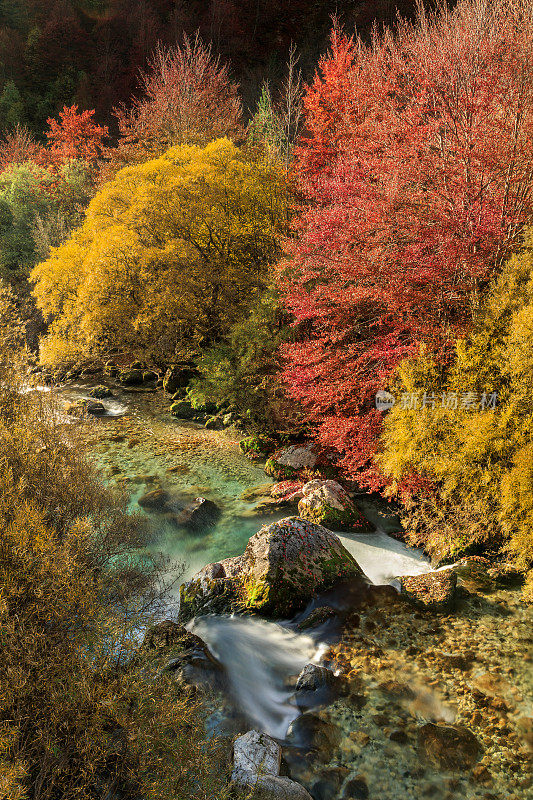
(180, 651)
(199, 514)
(182, 409)
(177, 377)
(448, 747)
(328, 504)
(81, 407)
(316, 685)
(286, 463)
(287, 491)
(130, 377)
(156, 500)
(282, 567)
(432, 591)
(256, 766)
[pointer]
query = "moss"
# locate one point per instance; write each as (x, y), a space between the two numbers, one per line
(256, 594)
(279, 471)
(337, 519)
(209, 597)
(260, 445)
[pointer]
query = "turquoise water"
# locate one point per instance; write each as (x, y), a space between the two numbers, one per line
(141, 447)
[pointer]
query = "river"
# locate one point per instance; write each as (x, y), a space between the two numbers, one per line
(139, 446)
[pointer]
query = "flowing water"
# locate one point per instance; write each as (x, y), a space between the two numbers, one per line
(259, 657)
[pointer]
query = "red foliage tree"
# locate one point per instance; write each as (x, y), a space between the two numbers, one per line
(417, 165)
(187, 98)
(75, 136)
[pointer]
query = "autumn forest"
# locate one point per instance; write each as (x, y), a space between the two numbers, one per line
(308, 227)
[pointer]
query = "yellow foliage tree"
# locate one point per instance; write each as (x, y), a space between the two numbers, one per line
(477, 460)
(171, 250)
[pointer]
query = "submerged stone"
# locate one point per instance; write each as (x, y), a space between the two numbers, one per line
(283, 566)
(155, 500)
(448, 747)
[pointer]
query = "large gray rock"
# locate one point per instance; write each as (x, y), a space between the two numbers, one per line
(256, 765)
(255, 753)
(283, 566)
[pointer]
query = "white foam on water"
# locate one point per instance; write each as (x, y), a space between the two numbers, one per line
(258, 657)
(383, 558)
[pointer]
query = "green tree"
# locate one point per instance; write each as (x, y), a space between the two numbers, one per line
(11, 106)
(34, 199)
(241, 371)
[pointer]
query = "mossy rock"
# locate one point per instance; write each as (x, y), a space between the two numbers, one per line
(284, 565)
(182, 410)
(326, 502)
(100, 392)
(289, 462)
(279, 472)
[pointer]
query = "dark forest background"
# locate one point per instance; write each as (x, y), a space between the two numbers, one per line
(89, 52)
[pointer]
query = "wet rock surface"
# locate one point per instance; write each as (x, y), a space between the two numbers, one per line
(316, 685)
(198, 515)
(317, 617)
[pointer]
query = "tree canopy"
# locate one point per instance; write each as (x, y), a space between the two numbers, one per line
(417, 163)
(171, 251)
(470, 442)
